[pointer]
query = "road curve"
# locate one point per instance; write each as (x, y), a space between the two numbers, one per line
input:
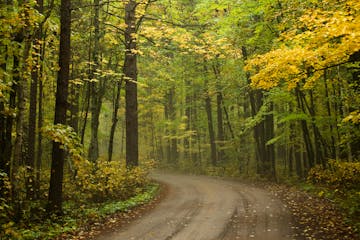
(205, 208)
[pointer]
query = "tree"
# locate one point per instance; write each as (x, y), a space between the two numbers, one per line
(58, 154)
(97, 86)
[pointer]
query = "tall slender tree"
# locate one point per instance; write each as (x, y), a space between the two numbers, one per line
(130, 76)
(58, 154)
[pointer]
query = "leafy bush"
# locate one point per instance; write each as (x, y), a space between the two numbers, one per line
(336, 174)
(6, 224)
(103, 180)
(342, 184)
(99, 181)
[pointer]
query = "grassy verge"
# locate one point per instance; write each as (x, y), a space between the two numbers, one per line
(77, 217)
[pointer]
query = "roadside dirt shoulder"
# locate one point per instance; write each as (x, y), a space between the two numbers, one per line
(314, 217)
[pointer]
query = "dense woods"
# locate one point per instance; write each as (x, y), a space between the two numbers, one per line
(93, 92)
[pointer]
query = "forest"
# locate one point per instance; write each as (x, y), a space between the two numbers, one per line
(95, 94)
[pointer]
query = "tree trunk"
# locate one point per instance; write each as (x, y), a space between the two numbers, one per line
(187, 140)
(114, 119)
(333, 148)
(35, 73)
(6, 126)
(40, 124)
(270, 148)
(20, 141)
(96, 89)
(74, 107)
(219, 109)
(171, 112)
(208, 110)
(306, 135)
(30, 159)
(58, 154)
(85, 108)
(130, 74)
(263, 131)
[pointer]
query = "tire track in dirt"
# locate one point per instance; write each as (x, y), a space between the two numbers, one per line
(205, 208)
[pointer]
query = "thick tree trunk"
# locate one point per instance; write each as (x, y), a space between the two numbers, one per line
(58, 154)
(130, 74)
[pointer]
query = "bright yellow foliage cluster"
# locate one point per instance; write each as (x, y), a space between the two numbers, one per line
(329, 39)
(206, 45)
(101, 180)
(337, 175)
(353, 117)
(105, 180)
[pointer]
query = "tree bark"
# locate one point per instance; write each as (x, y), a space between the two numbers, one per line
(188, 108)
(306, 135)
(208, 109)
(21, 82)
(85, 108)
(270, 148)
(6, 126)
(333, 147)
(58, 154)
(130, 74)
(96, 89)
(263, 131)
(219, 109)
(114, 119)
(40, 124)
(31, 137)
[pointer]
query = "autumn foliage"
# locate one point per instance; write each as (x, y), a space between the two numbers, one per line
(324, 38)
(337, 175)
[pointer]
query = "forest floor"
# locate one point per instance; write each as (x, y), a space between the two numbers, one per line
(206, 208)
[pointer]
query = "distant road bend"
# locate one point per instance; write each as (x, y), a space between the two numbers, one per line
(204, 208)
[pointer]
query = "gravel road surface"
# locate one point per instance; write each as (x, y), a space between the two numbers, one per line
(205, 208)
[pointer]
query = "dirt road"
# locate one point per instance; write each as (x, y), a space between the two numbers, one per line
(204, 208)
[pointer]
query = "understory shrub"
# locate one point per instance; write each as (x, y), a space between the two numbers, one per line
(336, 175)
(103, 180)
(340, 181)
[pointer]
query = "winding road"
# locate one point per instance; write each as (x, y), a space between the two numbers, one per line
(205, 208)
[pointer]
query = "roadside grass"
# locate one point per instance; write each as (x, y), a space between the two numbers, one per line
(79, 216)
